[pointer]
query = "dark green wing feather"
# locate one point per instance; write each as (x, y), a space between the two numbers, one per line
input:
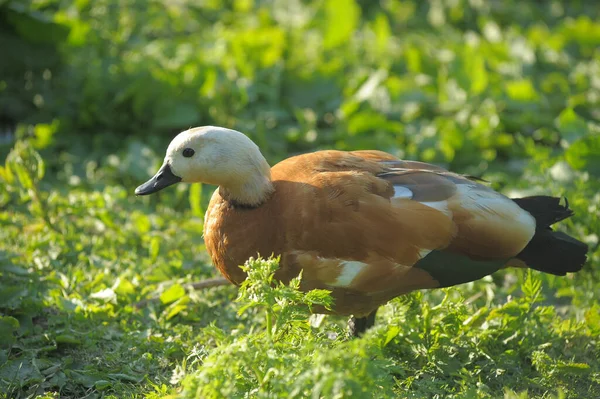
(450, 268)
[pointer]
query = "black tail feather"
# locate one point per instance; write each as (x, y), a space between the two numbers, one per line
(550, 251)
(546, 210)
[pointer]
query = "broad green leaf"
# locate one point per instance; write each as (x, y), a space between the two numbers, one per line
(6, 174)
(8, 326)
(154, 249)
(36, 26)
(22, 371)
(592, 319)
(87, 378)
(584, 154)
(177, 307)
(574, 368)
(26, 163)
(44, 134)
(174, 292)
(9, 268)
(413, 59)
(243, 5)
(571, 126)
(391, 333)
(478, 74)
(67, 339)
(341, 20)
(23, 175)
(381, 27)
(124, 287)
(141, 222)
(521, 90)
(101, 385)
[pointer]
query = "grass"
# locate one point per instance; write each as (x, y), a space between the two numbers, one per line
(503, 90)
(75, 263)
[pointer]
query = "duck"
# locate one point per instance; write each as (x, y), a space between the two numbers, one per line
(365, 225)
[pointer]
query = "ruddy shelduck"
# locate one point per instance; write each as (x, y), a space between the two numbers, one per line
(363, 224)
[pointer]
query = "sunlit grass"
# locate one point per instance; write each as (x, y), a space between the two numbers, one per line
(94, 282)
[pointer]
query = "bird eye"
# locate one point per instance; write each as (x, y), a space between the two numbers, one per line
(188, 152)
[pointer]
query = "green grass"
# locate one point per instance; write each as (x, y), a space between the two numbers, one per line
(94, 282)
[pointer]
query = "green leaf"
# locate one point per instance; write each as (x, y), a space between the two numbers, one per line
(84, 377)
(571, 126)
(21, 371)
(521, 90)
(26, 163)
(342, 17)
(532, 287)
(8, 326)
(584, 154)
(154, 249)
(177, 307)
(413, 59)
(67, 339)
(44, 134)
(102, 385)
(174, 292)
(14, 270)
(381, 27)
(391, 333)
(478, 74)
(23, 176)
(574, 368)
(124, 287)
(34, 25)
(141, 222)
(7, 174)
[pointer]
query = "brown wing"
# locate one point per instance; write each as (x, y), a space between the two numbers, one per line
(345, 209)
(375, 220)
(489, 225)
(390, 161)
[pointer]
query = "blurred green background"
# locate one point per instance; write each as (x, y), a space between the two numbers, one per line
(91, 93)
(460, 83)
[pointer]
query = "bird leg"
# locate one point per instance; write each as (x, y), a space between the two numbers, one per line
(358, 326)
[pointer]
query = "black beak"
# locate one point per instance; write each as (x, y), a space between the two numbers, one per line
(163, 178)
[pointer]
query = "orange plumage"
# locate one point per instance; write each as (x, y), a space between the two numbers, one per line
(363, 224)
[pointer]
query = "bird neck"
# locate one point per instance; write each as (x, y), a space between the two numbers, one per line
(253, 190)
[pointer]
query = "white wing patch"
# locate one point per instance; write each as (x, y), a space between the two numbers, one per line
(402, 192)
(350, 269)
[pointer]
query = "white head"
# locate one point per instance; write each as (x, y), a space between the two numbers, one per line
(218, 156)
